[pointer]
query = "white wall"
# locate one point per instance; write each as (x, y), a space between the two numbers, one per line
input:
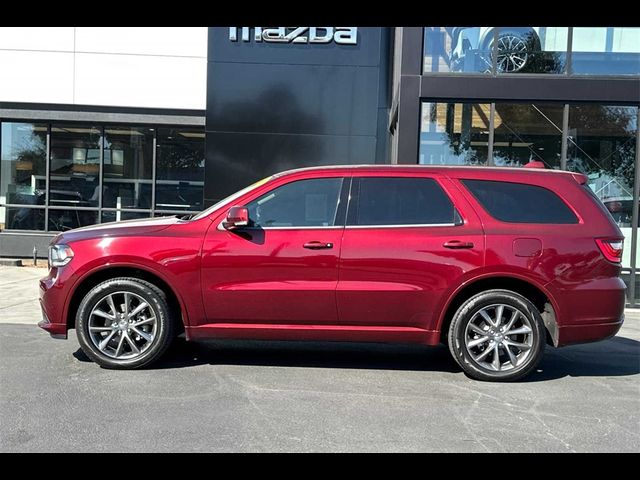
(158, 67)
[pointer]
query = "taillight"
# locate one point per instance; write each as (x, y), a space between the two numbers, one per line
(611, 248)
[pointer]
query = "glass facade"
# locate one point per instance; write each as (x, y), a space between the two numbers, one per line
(454, 134)
(128, 167)
(23, 163)
(456, 49)
(601, 143)
(532, 50)
(459, 134)
(23, 218)
(606, 51)
(59, 176)
(180, 170)
(525, 132)
(74, 166)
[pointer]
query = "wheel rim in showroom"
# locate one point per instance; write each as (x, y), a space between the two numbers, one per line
(122, 325)
(512, 53)
(499, 337)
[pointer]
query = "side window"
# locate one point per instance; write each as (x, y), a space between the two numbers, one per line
(303, 203)
(400, 201)
(520, 202)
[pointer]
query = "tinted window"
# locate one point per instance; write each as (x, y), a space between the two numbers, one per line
(520, 203)
(305, 203)
(401, 201)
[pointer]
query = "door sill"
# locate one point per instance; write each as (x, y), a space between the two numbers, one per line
(347, 333)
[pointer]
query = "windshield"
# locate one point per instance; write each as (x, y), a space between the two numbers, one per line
(231, 198)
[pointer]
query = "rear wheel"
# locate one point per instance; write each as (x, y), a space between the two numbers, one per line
(124, 323)
(497, 335)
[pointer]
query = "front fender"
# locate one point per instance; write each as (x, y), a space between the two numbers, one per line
(176, 263)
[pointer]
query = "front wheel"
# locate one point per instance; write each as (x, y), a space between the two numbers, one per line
(124, 323)
(497, 335)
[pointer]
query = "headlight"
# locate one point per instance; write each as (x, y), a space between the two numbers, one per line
(60, 255)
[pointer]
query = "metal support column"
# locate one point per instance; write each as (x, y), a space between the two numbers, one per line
(634, 219)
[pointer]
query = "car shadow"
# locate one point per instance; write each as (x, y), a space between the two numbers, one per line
(308, 354)
(183, 354)
(618, 356)
(615, 357)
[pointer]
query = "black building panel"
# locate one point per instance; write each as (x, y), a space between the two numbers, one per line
(234, 160)
(276, 106)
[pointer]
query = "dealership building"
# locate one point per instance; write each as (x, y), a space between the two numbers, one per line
(100, 124)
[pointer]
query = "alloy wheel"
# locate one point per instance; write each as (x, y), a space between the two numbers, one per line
(513, 53)
(122, 325)
(499, 337)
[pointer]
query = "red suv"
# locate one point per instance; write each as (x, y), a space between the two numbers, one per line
(496, 262)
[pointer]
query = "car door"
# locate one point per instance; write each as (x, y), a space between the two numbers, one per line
(282, 268)
(405, 246)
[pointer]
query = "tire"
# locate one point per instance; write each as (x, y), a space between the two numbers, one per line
(470, 326)
(523, 44)
(151, 330)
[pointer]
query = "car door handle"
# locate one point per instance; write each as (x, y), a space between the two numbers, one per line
(317, 245)
(457, 244)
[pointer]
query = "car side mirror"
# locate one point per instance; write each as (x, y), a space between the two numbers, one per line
(236, 217)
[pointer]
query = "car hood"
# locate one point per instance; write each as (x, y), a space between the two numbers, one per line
(143, 226)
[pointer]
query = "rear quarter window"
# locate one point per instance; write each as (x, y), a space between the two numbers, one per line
(520, 202)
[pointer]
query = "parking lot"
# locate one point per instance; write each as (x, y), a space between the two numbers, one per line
(258, 396)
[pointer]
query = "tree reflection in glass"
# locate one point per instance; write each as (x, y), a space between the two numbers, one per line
(454, 134)
(525, 132)
(601, 143)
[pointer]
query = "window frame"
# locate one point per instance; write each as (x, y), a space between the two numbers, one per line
(343, 198)
(354, 195)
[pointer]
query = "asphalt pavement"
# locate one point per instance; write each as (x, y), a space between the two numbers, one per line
(292, 396)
